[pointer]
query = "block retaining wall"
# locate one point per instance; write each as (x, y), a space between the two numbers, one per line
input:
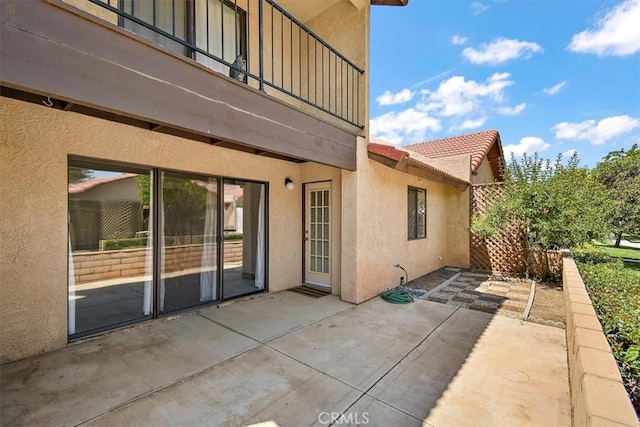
(103, 265)
(598, 396)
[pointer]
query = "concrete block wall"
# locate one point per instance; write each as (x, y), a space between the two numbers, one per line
(103, 265)
(598, 396)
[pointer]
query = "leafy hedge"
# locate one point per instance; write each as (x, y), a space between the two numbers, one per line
(141, 242)
(615, 292)
(232, 236)
(591, 255)
(115, 244)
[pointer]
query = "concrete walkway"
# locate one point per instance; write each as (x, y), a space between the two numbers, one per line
(288, 360)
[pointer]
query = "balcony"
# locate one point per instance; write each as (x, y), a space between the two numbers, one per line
(296, 98)
(256, 42)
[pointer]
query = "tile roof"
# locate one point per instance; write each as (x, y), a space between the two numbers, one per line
(400, 159)
(79, 187)
(477, 145)
(389, 2)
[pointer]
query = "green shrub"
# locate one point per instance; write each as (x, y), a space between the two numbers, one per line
(232, 236)
(614, 292)
(130, 243)
(590, 254)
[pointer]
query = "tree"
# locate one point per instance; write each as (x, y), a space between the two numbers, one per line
(560, 205)
(184, 203)
(619, 173)
(77, 174)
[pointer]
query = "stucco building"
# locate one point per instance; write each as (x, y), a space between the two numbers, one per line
(234, 138)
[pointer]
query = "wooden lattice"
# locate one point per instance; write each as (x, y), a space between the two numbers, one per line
(120, 219)
(502, 254)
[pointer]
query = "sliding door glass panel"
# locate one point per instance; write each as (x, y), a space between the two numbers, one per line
(108, 239)
(244, 243)
(189, 255)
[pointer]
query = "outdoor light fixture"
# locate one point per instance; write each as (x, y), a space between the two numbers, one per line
(288, 182)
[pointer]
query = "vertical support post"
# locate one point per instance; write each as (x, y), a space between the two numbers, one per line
(261, 42)
(191, 27)
(156, 209)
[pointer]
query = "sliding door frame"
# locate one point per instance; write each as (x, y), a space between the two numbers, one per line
(154, 210)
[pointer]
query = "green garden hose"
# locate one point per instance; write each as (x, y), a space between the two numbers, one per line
(399, 295)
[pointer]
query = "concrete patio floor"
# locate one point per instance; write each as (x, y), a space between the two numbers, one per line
(289, 360)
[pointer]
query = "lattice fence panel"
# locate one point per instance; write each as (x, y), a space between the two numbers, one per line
(120, 219)
(502, 254)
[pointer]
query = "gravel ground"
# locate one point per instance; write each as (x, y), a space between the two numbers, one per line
(493, 294)
(431, 280)
(548, 304)
(498, 295)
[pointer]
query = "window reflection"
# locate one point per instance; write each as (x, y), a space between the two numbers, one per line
(108, 257)
(189, 236)
(136, 251)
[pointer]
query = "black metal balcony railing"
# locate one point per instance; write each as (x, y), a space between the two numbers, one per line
(220, 34)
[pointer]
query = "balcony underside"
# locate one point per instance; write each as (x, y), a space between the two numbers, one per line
(53, 50)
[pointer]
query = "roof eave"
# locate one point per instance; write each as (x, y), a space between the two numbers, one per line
(423, 170)
(402, 161)
(389, 2)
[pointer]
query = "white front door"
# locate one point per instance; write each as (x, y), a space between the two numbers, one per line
(317, 234)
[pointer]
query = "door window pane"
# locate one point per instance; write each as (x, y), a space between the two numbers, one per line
(189, 226)
(244, 272)
(109, 259)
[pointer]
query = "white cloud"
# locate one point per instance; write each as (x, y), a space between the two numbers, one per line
(457, 96)
(617, 33)
(555, 88)
(473, 124)
(501, 50)
(456, 39)
(528, 144)
(388, 98)
(409, 125)
(512, 111)
(477, 7)
(567, 154)
(457, 103)
(596, 132)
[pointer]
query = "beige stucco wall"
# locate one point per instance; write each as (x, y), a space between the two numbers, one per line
(483, 174)
(124, 189)
(34, 148)
(457, 223)
(374, 222)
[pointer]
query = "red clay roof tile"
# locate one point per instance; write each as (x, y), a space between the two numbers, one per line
(475, 144)
(79, 187)
(398, 155)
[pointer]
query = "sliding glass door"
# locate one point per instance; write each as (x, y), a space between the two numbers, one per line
(189, 250)
(108, 239)
(143, 243)
(244, 256)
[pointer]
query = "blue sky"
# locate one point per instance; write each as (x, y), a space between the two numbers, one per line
(551, 76)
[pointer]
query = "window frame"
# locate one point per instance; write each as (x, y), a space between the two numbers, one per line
(157, 250)
(412, 234)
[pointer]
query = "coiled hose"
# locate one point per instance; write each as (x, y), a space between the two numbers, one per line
(398, 295)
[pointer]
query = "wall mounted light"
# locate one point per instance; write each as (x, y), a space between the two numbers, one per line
(288, 182)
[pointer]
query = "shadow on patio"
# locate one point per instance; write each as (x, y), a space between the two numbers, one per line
(294, 360)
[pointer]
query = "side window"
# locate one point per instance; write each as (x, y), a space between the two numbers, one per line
(417, 213)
